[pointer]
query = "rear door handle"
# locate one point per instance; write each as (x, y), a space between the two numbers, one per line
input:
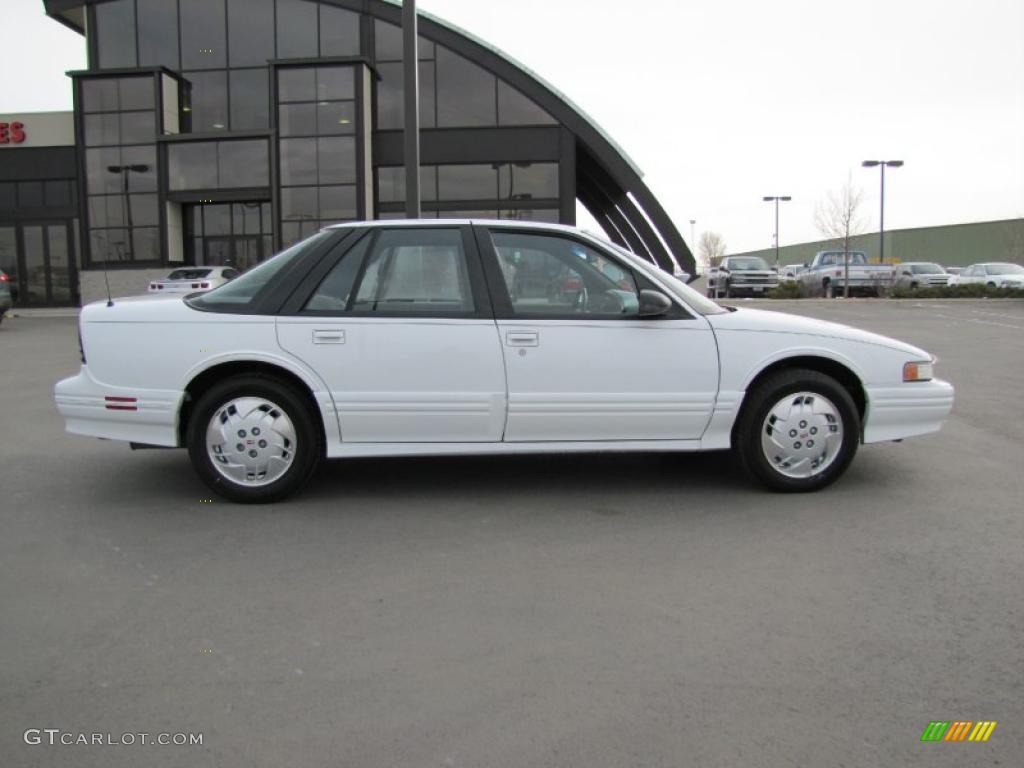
(522, 338)
(336, 336)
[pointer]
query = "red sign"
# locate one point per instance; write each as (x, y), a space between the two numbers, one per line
(12, 133)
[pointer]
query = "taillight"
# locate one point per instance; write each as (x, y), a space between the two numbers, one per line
(3, 277)
(195, 285)
(152, 286)
(204, 285)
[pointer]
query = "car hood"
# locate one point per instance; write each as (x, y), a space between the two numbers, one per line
(764, 321)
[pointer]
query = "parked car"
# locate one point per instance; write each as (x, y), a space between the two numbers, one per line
(790, 273)
(992, 274)
(395, 338)
(741, 276)
(830, 271)
(921, 274)
(193, 279)
(5, 294)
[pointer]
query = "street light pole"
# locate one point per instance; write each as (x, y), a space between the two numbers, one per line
(411, 82)
(881, 213)
(776, 199)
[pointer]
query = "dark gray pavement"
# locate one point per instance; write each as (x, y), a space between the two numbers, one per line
(554, 611)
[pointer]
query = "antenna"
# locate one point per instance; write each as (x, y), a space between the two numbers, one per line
(106, 279)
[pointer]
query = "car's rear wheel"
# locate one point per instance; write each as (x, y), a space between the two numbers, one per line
(799, 431)
(252, 439)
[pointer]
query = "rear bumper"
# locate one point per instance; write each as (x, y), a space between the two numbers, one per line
(97, 410)
(909, 410)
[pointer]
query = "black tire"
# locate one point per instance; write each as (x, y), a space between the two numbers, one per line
(761, 399)
(308, 451)
(728, 290)
(827, 290)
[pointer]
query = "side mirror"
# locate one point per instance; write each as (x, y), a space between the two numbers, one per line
(805, 265)
(653, 303)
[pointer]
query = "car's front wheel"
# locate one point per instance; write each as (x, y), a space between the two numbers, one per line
(799, 431)
(253, 439)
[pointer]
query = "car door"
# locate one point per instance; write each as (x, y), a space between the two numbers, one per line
(400, 328)
(581, 363)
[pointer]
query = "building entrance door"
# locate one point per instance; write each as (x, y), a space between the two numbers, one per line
(46, 272)
(238, 251)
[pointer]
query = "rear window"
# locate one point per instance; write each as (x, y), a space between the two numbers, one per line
(189, 274)
(238, 294)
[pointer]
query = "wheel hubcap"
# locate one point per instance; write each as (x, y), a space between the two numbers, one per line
(251, 441)
(802, 435)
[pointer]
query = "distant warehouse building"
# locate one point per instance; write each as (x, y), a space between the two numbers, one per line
(207, 132)
(953, 245)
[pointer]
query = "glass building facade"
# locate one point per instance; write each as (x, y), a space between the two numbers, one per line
(218, 131)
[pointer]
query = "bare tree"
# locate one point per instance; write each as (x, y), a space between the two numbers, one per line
(838, 217)
(711, 248)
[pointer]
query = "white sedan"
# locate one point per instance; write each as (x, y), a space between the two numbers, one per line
(994, 275)
(484, 337)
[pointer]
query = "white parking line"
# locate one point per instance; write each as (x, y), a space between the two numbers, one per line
(997, 314)
(980, 322)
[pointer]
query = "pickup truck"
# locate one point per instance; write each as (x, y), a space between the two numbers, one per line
(827, 272)
(741, 275)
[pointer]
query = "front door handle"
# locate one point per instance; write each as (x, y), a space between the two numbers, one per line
(522, 338)
(334, 336)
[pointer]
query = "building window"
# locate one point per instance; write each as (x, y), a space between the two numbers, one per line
(229, 234)
(228, 164)
(521, 191)
(120, 131)
(317, 149)
(203, 34)
(206, 101)
(251, 32)
(466, 93)
(339, 31)
(158, 33)
(297, 34)
(115, 33)
(249, 101)
(516, 109)
(454, 92)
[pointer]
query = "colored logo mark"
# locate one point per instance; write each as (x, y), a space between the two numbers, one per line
(958, 730)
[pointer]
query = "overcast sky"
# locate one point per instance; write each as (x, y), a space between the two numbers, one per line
(723, 102)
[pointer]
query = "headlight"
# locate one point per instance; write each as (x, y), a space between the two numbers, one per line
(924, 371)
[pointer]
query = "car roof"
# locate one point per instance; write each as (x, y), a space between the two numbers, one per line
(504, 223)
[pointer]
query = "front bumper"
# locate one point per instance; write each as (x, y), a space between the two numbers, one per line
(908, 410)
(98, 410)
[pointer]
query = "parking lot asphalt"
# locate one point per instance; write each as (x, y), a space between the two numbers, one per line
(530, 611)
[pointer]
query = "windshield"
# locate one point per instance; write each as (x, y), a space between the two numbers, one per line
(244, 288)
(1005, 269)
(748, 262)
(836, 257)
(188, 274)
(926, 269)
(698, 302)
